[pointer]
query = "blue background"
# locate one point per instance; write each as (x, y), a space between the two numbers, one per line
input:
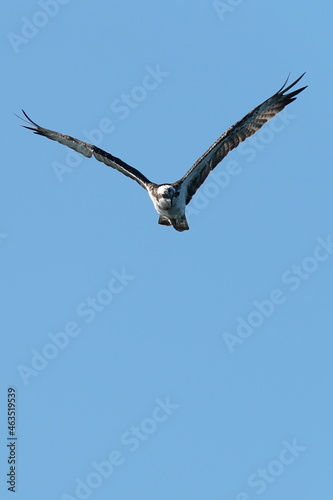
(162, 332)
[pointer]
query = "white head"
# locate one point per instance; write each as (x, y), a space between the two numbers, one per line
(166, 191)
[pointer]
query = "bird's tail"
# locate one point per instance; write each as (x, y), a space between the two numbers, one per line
(164, 221)
(180, 223)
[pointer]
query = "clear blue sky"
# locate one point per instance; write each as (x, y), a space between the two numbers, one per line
(147, 363)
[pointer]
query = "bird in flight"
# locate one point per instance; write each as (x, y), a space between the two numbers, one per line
(170, 200)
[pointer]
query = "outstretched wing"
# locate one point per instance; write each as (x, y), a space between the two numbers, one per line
(89, 150)
(243, 129)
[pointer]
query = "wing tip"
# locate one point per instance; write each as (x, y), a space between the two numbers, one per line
(284, 89)
(29, 121)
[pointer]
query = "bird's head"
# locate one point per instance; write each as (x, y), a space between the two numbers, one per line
(166, 191)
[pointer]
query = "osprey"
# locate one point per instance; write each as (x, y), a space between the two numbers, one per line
(170, 200)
